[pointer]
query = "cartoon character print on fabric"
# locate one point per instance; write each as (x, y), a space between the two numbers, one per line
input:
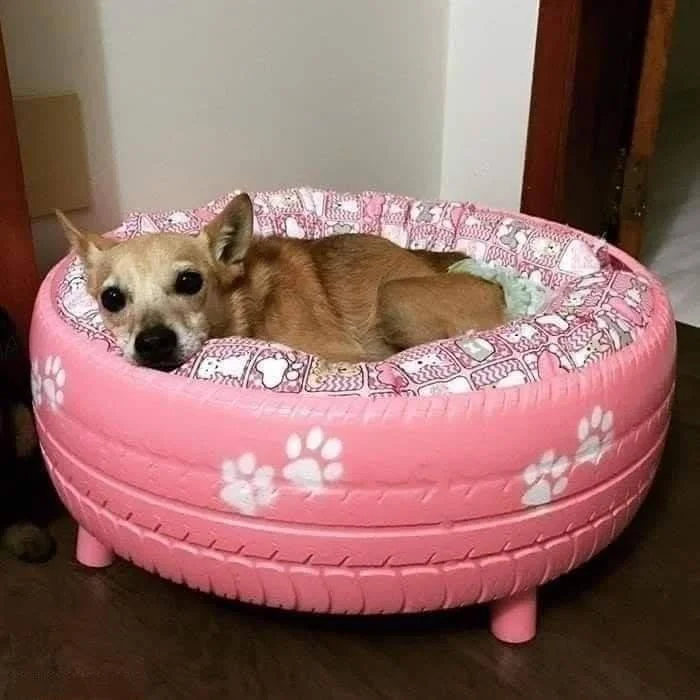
(78, 303)
(458, 385)
(345, 206)
(342, 214)
(334, 376)
(83, 309)
(285, 200)
(522, 335)
(277, 370)
(471, 248)
(619, 330)
(630, 299)
(544, 248)
(390, 208)
(539, 275)
(427, 238)
(293, 228)
(556, 323)
(372, 208)
(582, 297)
(422, 365)
(454, 216)
(513, 234)
(547, 363)
(342, 207)
(391, 220)
(577, 258)
(500, 375)
(339, 228)
(477, 225)
(587, 345)
(176, 221)
(77, 308)
(426, 212)
(387, 374)
(501, 257)
(229, 369)
(424, 231)
(433, 225)
(476, 350)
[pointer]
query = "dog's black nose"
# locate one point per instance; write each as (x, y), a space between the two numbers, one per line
(156, 345)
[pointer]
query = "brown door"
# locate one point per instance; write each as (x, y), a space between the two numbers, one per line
(19, 278)
(597, 90)
(634, 197)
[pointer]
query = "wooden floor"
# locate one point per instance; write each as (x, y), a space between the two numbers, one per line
(625, 626)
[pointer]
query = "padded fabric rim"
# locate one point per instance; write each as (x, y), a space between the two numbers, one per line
(601, 304)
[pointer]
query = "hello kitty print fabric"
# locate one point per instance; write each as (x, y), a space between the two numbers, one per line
(597, 308)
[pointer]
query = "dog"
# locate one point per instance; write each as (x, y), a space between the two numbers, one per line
(344, 298)
(27, 500)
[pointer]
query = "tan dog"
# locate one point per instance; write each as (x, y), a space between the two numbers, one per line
(345, 298)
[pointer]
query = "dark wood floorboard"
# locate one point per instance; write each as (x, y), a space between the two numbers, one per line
(627, 625)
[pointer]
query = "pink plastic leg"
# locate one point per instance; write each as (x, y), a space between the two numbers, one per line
(91, 552)
(514, 619)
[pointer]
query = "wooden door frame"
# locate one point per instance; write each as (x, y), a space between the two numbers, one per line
(19, 276)
(556, 47)
(547, 155)
(633, 206)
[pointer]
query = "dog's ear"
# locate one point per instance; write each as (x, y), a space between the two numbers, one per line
(87, 245)
(230, 232)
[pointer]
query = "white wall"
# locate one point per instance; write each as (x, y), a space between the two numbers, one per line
(491, 48)
(184, 100)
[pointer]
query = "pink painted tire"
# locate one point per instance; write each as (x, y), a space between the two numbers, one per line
(353, 504)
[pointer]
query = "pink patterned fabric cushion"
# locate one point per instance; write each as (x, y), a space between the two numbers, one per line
(597, 308)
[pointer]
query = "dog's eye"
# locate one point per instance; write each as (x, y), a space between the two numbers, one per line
(188, 282)
(113, 299)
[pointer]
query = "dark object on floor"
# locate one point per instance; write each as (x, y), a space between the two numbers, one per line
(26, 496)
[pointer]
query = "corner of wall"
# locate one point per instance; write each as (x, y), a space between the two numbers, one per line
(488, 82)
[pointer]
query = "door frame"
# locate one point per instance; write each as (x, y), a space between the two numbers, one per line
(19, 276)
(556, 48)
(559, 36)
(647, 116)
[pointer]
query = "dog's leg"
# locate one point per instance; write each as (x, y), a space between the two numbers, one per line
(440, 261)
(25, 432)
(422, 309)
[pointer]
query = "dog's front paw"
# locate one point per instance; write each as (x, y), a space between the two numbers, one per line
(28, 542)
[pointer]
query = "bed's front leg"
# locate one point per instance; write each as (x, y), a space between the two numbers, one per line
(91, 552)
(514, 619)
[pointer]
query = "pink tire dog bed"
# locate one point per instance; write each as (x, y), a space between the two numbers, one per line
(466, 471)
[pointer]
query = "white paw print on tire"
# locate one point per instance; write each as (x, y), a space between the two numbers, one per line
(313, 461)
(595, 436)
(36, 384)
(545, 479)
(247, 486)
(54, 381)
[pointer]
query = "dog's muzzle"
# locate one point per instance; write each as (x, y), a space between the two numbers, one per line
(157, 347)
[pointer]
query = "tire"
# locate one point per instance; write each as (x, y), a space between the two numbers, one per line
(398, 505)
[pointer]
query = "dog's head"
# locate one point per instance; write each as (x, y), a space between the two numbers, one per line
(163, 295)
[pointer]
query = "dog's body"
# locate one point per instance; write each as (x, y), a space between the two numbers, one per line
(343, 298)
(348, 297)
